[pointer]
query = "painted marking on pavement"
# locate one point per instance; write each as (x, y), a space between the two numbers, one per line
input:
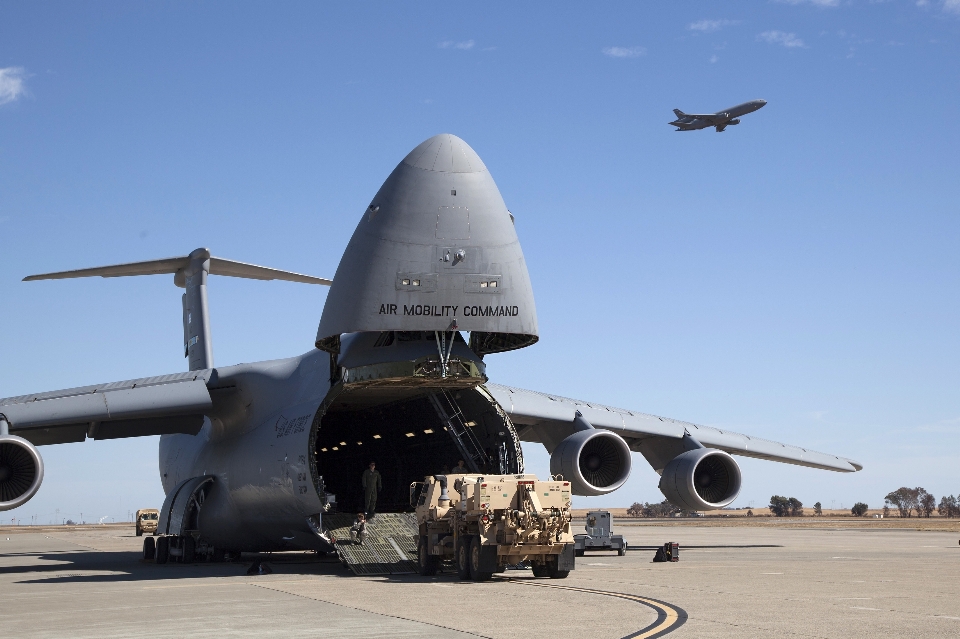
(669, 617)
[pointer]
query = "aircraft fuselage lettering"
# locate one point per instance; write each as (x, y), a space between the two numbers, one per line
(451, 311)
(430, 311)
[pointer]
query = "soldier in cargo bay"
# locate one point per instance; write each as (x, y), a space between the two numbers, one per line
(372, 485)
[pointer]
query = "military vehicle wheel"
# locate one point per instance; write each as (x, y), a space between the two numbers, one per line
(539, 569)
(428, 563)
(189, 547)
(463, 558)
(623, 549)
(139, 532)
(163, 550)
(475, 573)
(149, 548)
(553, 572)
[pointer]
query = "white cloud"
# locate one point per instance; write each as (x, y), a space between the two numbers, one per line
(713, 59)
(789, 40)
(463, 45)
(706, 26)
(818, 3)
(951, 6)
(11, 84)
(624, 52)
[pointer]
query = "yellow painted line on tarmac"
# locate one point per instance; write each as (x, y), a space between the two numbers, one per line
(669, 617)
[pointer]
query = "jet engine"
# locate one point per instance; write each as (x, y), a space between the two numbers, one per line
(734, 121)
(595, 462)
(21, 471)
(701, 479)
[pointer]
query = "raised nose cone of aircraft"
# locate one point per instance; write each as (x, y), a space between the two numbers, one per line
(435, 250)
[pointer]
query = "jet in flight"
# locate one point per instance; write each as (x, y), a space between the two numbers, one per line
(253, 456)
(720, 120)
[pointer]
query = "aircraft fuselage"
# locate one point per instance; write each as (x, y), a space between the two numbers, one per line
(720, 120)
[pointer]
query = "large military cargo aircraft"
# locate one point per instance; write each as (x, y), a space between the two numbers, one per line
(253, 456)
(719, 120)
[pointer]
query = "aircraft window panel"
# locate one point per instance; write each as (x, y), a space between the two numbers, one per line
(482, 283)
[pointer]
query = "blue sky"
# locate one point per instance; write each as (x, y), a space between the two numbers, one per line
(794, 277)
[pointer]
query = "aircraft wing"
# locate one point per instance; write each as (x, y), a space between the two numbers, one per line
(133, 408)
(548, 419)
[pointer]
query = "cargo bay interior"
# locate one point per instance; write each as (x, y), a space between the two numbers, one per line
(424, 432)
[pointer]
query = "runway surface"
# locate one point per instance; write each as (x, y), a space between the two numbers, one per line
(730, 582)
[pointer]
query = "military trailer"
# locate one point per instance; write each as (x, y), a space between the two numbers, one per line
(485, 523)
(599, 528)
(147, 519)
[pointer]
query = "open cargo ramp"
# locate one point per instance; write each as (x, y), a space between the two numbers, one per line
(390, 547)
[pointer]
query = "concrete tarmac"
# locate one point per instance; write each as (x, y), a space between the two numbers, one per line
(729, 582)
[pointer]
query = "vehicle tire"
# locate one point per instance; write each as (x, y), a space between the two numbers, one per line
(218, 555)
(139, 532)
(578, 552)
(163, 550)
(189, 547)
(539, 569)
(462, 558)
(425, 561)
(553, 572)
(623, 549)
(475, 573)
(149, 548)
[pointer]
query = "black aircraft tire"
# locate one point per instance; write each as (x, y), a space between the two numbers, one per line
(462, 558)
(163, 550)
(475, 573)
(426, 563)
(623, 549)
(578, 553)
(149, 548)
(188, 546)
(539, 569)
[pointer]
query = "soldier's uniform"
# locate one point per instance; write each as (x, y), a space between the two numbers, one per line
(372, 484)
(358, 531)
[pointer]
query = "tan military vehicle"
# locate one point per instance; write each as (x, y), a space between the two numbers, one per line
(147, 520)
(487, 522)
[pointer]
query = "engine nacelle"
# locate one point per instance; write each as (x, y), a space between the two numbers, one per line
(701, 479)
(21, 471)
(594, 461)
(734, 121)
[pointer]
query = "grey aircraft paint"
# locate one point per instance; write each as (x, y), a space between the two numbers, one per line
(271, 447)
(435, 249)
(719, 120)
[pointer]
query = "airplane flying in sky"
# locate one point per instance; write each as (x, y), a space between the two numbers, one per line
(720, 120)
(253, 456)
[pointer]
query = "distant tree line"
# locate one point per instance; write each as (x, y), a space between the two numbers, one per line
(793, 507)
(662, 509)
(949, 506)
(786, 506)
(907, 501)
(917, 500)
